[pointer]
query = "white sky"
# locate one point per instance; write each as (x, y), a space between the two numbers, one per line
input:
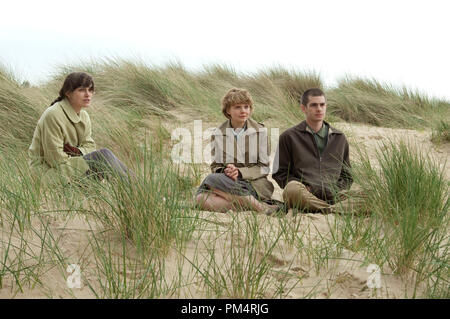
(394, 41)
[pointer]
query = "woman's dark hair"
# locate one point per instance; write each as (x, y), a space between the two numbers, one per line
(74, 81)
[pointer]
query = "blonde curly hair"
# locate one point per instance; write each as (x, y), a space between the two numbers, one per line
(236, 96)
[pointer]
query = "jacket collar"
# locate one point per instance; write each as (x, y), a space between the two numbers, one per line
(255, 126)
(70, 112)
(331, 130)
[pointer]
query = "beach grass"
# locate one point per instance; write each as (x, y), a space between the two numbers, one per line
(142, 237)
(441, 132)
(407, 228)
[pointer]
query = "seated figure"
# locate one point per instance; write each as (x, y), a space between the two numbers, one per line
(312, 162)
(240, 165)
(62, 145)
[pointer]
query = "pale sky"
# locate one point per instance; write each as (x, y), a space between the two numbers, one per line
(398, 42)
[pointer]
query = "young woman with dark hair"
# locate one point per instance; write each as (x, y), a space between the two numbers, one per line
(62, 144)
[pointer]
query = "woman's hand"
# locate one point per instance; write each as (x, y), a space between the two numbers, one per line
(71, 150)
(232, 172)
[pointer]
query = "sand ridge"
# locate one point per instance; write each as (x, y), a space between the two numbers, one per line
(291, 266)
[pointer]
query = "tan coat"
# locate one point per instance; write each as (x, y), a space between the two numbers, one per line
(249, 153)
(60, 124)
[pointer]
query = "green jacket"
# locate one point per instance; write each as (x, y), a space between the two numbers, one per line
(250, 154)
(58, 125)
(298, 159)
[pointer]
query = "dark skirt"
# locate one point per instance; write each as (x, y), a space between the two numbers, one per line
(222, 182)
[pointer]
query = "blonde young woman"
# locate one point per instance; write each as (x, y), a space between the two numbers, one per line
(62, 145)
(239, 178)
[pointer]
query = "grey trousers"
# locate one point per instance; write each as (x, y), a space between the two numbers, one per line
(104, 164)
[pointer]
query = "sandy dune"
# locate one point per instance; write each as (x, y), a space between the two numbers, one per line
(296, 266)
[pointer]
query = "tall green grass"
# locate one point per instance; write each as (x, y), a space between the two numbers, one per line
(151, 207)
(381, 104)
(149, 89)
(407, 195)
(441, 132)
(148, 215)
(240, 262)
(27, 246)
(17, 113)
(147, 219)
(145, 91)
(121, 272)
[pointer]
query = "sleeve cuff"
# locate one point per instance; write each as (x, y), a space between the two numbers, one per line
(83, 151)
(219, 170)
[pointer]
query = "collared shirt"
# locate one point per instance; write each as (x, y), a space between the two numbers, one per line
(241, 131)
(251, 158)
(321, 137)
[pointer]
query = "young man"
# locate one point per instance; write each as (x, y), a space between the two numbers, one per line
(313, 159)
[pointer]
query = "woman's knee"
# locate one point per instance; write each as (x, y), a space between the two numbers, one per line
(200, 200)
(212, 179)
(106, 152)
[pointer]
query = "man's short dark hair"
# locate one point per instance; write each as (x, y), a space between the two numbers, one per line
(310, 92)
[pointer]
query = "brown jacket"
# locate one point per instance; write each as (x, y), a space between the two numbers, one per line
(298, 159)
(250, 154)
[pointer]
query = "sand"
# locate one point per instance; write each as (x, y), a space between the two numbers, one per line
(296, 267)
